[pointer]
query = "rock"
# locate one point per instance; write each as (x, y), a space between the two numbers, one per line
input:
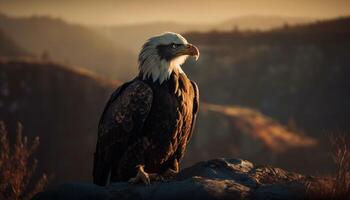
(215, 179)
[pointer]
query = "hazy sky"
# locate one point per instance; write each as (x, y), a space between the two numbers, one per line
(198, 11)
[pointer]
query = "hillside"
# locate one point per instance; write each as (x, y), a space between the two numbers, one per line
(70, 43)
(236, 131)
(8, 48)
(295, 73)
(274, 136)
(60, 105)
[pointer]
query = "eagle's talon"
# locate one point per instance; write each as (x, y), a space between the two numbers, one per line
(141, 176)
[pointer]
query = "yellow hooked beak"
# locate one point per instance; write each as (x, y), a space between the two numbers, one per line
(191, 50)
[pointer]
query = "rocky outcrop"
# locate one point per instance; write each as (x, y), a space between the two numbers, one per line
(214, 179)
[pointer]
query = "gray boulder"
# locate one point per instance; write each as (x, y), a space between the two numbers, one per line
(214, 179)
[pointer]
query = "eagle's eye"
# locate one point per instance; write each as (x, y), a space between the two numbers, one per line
(174, 46)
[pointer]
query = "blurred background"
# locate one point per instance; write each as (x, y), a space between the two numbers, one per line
(272, 76)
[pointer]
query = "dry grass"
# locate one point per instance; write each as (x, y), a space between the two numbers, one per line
(17, 167)
(338, 187)
(341, 157)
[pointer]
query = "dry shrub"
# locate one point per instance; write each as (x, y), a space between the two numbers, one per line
(17, 167)
(338, 187)
(341, 157)
(319, 188)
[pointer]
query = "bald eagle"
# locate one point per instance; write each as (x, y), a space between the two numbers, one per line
(147, 122)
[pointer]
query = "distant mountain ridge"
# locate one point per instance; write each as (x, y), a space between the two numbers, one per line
(110, 51)
(70, 43)
(261, 23)
(133, 35)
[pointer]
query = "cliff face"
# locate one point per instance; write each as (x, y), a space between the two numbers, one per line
(214, 179)
(60, 105)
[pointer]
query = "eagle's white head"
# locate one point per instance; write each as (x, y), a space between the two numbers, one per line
(163, 54)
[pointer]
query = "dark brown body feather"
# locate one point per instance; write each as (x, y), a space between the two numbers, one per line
(145, 123)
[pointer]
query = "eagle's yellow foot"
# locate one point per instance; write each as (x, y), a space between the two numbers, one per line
(142, 176)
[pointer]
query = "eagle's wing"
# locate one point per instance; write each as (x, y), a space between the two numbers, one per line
(122, 120)
(195, 109)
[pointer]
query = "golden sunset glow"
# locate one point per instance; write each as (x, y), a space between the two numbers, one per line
(138, 11)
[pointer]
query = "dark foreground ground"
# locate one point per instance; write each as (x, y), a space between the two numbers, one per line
(215, 179)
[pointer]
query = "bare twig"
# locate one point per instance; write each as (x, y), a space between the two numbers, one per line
(16, 167)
